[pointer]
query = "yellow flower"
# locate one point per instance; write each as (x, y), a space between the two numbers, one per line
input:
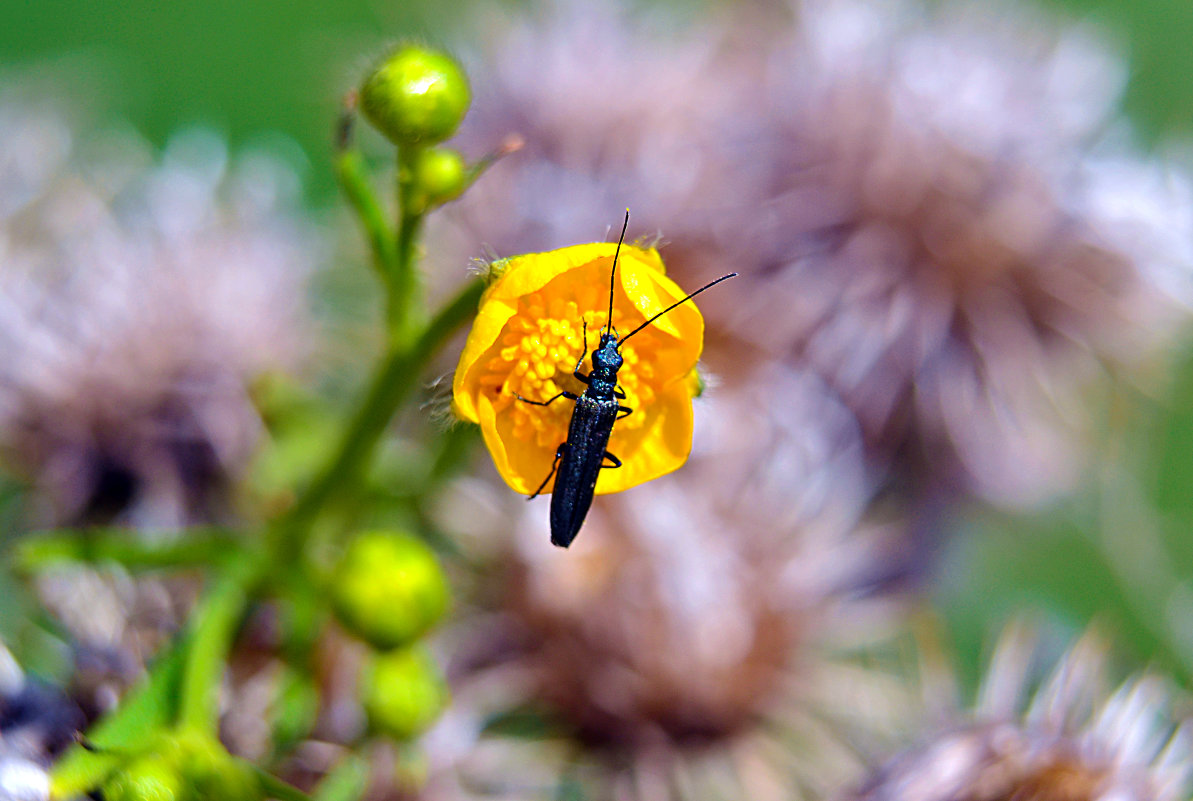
(527, 339)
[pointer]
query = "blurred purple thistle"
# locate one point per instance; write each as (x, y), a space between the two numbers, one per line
(137, 302)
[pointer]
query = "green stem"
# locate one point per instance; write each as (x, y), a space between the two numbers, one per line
(402, 309)
(403, 312)
(398, 374)
(214, 625)
(512, 144)
(195, 547)
(350, 172)
(205, 647)
(412, 344)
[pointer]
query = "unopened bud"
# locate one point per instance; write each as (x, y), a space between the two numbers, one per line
(403, 692)
(416, 96)
(388, 589)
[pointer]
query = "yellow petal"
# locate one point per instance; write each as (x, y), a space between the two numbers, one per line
(486, 330)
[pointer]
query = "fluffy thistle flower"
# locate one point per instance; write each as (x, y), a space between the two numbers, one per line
(951, 248)
(934, 213)
(613, 111)
(691, 636)
(136, 302)
(1074, 741)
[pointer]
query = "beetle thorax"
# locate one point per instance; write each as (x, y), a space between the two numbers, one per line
(606, 361)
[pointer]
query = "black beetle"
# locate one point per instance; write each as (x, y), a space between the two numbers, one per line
(581, 457)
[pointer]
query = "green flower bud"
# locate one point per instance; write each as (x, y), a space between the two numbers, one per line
(388, 589)
(440, 175)
(151, 777)
(416, 96)
(403, 692)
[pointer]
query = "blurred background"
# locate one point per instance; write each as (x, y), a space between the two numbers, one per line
(254, 72)
(952, 390)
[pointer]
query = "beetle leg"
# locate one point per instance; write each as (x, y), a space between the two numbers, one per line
(554, 465)
(623, 411)
(618, 392)
(565, 394)
(615, 462)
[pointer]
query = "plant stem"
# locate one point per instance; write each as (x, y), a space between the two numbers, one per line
(395, 378)
(214, 626)
(403, 280)
(350, 172)
(201, 654)
(402, 311)
(198, 660)
(196, 547)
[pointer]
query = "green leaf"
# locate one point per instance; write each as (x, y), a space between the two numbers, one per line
(140, 718)
(274, 787)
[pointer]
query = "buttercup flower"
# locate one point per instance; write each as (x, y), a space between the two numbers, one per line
(529, 336)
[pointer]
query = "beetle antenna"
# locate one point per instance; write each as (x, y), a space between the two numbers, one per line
(674, 305)
(613, 273)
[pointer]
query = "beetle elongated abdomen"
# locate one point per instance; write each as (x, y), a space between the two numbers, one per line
(579, 465)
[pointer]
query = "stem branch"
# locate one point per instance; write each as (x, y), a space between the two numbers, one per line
(349, 168)
(395, 378)
(196, 546)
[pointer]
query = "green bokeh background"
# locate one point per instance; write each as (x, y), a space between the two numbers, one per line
(274, 71)
(249, 70)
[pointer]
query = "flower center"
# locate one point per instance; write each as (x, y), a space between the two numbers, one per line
(538, 353)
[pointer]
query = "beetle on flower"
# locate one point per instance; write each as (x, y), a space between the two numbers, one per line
(541, 314)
